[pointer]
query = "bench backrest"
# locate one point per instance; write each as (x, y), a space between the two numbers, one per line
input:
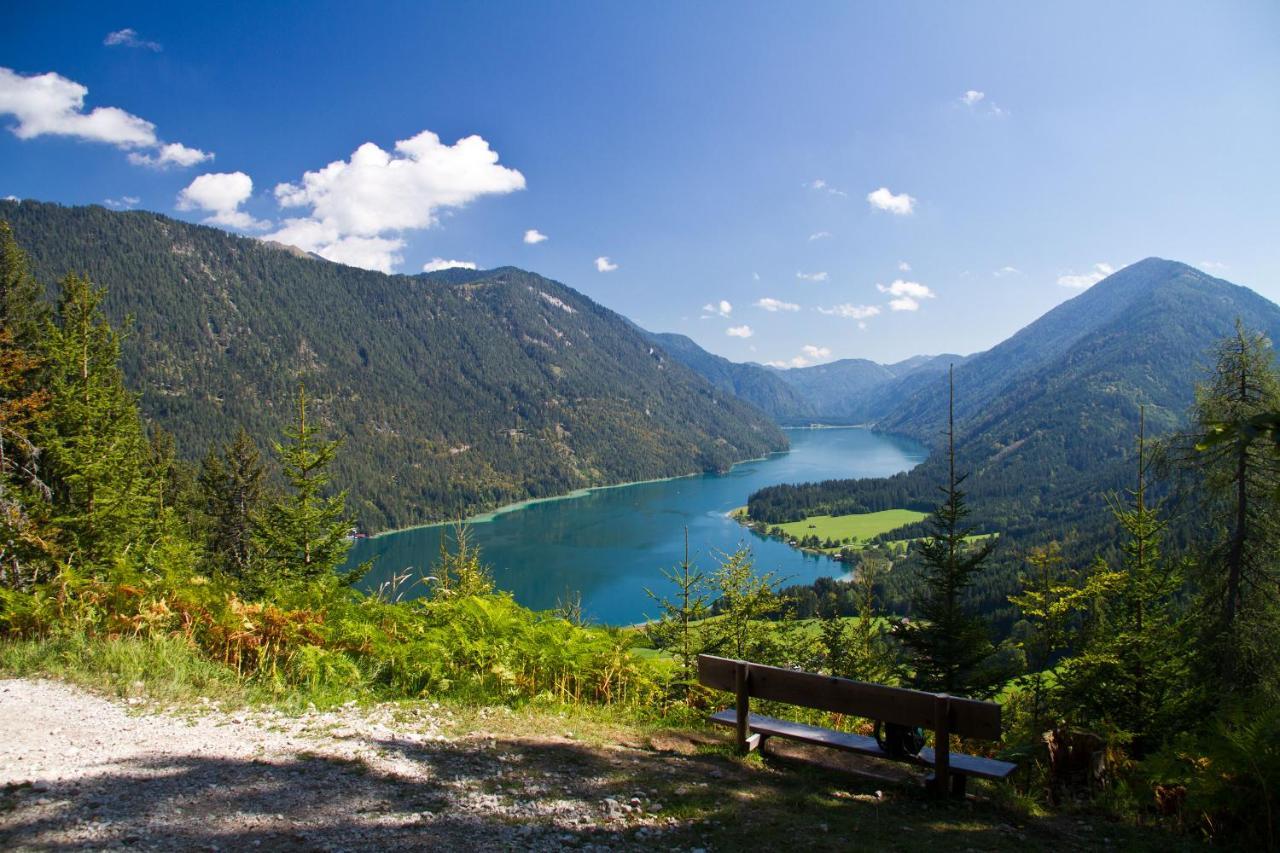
(968, 717)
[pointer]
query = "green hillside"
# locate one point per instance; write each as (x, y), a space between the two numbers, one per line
(455, 391)
(1046, 421)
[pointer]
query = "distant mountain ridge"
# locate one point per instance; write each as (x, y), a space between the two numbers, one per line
(851, 390)
(455, 391)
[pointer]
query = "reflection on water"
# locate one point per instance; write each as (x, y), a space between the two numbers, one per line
(610, 544)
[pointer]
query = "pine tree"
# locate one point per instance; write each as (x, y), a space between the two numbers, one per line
(231, 492)
(1052, 602)
(25, 540)
(947, 646)
(23, 311)
(1131, 675)
(304, 535)
(1241, 571)
(678, 627)
(94, 444)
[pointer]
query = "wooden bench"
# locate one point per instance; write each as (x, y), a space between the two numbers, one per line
(944, 715)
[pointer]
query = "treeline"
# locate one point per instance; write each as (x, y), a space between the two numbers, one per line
(793, 502)
(108, 536)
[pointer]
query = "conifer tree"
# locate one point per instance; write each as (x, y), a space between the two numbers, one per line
(25, 542)
(678, 627)
(23, 311)
(304, 535)
(1131, 675)
(1051, 601)
(1240, 573)
(231, 492)
(947, 645)
(94, 444)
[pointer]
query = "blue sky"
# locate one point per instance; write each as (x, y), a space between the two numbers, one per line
(889, 179)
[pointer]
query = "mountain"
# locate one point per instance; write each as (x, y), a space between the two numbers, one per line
(454, 391)
(1046, 422)
(838, 390)
(751, 382)
(851, 390)
(1182, 305)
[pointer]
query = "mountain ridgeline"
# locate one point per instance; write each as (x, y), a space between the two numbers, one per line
(1046, 422)
(455, 391)
(851, 390)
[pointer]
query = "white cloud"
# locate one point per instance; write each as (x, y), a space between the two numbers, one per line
(221, 193)
(534, 236)
(1219, 266)
(851, 311)
(903, 266)
(907, 294)
(739, 331)
(603, 264)
(11, 198)
(122, 203)
(810, 354)
(51, 105)
(436, 264)
(820, 235)
(768, 303)
(899, 205)
(972, 98)
(1084, 280)
(907, 288)
(359, 208)
(171, 154)
(811, 276)
(822, 186)
(128, 37)
(1007, 270)
(723, 308)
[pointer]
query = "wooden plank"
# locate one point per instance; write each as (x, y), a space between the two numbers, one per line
(743, 708)
(968, 718)
(941, 746)
(969, 765)
(973, 765)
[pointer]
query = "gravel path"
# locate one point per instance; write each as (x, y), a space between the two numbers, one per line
(81, 771)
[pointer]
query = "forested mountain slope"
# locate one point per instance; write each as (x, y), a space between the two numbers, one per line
(1047, 421)
(753, 383)
(454, 391)
(1147, 292)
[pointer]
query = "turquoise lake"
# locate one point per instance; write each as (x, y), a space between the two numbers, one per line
(611, 544)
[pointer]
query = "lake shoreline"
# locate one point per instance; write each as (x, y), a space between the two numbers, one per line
(489, 515)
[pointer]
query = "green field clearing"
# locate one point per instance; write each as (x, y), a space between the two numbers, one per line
(860, 526)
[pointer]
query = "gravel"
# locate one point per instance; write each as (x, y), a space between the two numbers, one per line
(79, 770)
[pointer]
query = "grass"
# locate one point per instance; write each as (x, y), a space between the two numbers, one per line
(859, 526)
(164, 670)
(719, 799)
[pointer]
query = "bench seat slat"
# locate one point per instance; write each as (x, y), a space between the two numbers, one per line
(968, 765)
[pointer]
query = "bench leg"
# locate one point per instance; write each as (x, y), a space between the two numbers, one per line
(957, 785)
